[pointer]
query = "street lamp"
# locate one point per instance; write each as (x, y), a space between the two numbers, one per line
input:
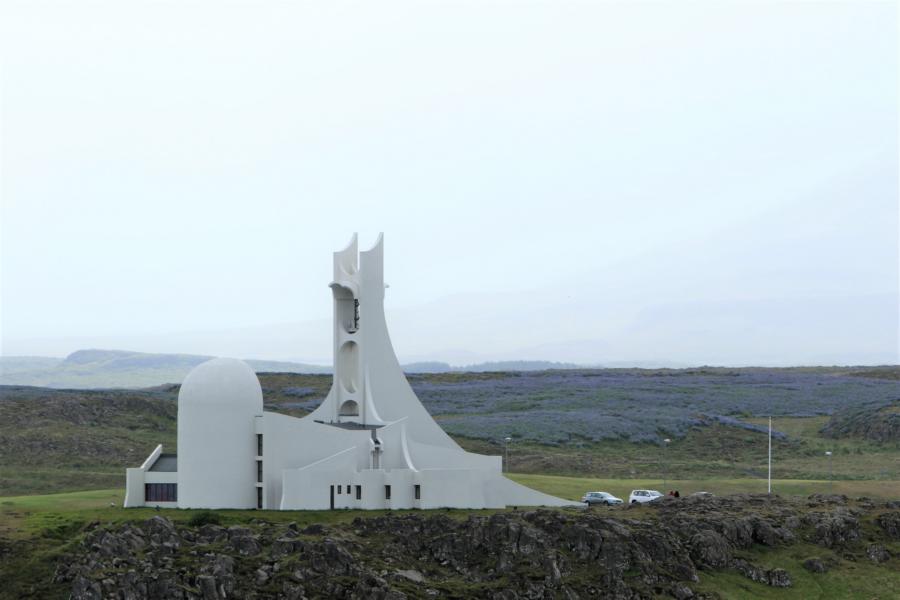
(506, 442)
(830, 473)
(666, 443)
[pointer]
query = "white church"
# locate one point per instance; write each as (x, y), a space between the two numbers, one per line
(369, 445)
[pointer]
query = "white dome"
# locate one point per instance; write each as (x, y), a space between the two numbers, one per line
(223, 382)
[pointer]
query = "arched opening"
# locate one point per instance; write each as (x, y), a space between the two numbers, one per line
(346, 308)
(349, 409)
(348, 365)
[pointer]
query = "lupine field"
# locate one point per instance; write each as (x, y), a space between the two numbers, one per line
(577, 406)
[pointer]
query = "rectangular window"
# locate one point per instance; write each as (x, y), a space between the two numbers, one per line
(418, 490)
(339, 489)
(259, 498)
(359, 492)
(259, 444)
(259, 471)
(387, 492)
(160, 492)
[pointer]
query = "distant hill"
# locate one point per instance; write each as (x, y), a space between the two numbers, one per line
(497, 366)
(87, 369)
(95, 369)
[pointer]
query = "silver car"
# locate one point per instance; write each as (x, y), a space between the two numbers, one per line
(600, 498)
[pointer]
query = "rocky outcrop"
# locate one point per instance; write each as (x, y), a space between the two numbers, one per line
(658, 550)
(879, 422)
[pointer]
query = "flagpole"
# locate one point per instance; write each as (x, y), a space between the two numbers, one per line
(770, 455)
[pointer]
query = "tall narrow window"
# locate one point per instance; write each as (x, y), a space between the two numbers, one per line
(259, 498)
(387, 492)
(418, 490)
(259, 471)
(359, 492)
(259, 444)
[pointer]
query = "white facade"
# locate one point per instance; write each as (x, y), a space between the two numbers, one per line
(370, 444)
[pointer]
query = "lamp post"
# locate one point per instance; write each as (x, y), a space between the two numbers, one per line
(666, 443)
(506, 442)
(830, 473)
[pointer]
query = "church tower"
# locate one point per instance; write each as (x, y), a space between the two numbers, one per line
(358, 292)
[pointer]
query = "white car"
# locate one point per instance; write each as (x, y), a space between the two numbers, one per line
(642, 496)
(600, 498)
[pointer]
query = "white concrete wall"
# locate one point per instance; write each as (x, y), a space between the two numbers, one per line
(135, 478)
(134, 487)
(217, 405)
(291, 443)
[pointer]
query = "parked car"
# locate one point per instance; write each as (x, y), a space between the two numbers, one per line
(702, 495)
(601, 498)
(642, 496)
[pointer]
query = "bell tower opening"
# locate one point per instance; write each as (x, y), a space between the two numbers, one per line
(349, 409)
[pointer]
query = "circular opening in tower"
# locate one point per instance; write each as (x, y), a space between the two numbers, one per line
(349, 409)
(348, 366)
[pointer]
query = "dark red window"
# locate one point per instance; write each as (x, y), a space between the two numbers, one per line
(160, 492)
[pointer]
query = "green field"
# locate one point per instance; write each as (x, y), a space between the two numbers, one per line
(23, 516)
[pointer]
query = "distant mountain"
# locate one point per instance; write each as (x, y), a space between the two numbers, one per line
(92, 369)
(517, 365)
(86, 369)
(430, 366)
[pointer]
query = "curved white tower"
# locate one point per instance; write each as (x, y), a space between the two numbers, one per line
(216, 442)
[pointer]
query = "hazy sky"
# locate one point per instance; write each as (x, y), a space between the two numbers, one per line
(664, 182)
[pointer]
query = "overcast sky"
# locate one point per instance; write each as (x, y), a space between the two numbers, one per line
(679, 183)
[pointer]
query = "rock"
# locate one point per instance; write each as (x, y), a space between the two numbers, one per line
(834, 529)
(815, 565)
(877, 553)
(773, 577)
(314, 529)
(412, 575)
(779, 578)
(85, 589)
(537, 554)
(710, 550)
(208, 588)
(890, 523)
(245, 545)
